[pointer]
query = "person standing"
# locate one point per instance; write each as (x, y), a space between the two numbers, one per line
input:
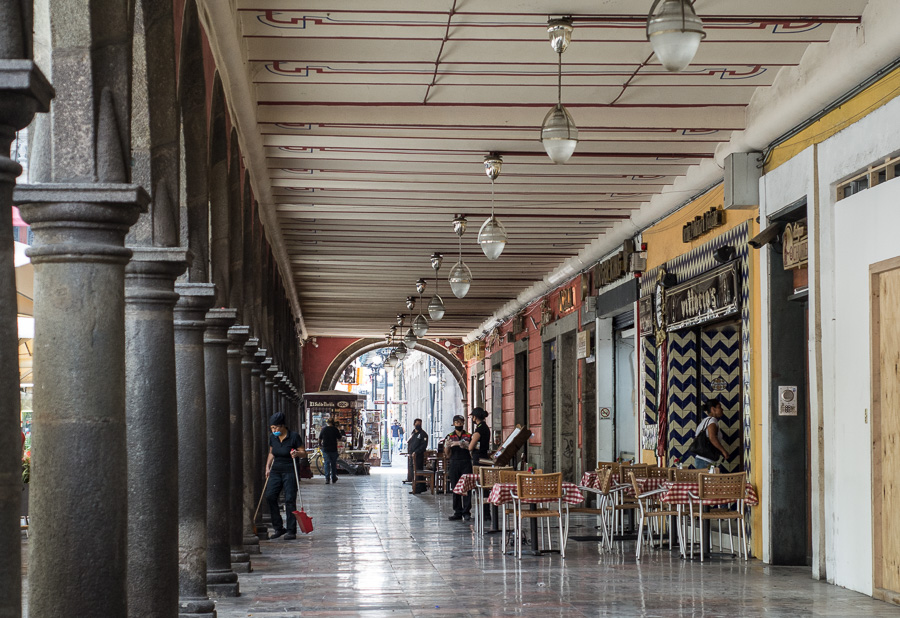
(480, 447)
(418, 443)
(395, 435)
(284, 446)
(710, 426)
(328, 440)
(457, 445)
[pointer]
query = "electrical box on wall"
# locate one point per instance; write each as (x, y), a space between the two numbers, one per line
(742, 173)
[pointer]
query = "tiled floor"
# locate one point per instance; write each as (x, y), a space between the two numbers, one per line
(378, 551)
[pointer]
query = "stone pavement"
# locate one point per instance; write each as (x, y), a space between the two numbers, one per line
(378, 551)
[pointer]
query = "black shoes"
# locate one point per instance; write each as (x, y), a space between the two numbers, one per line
(279, 533)
(327, 482)
(467, 517)
(334, 480)
(455, 517)
(290, 536)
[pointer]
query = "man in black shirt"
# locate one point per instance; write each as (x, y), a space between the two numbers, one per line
(328, 440)
(457, 444)
(418, 443)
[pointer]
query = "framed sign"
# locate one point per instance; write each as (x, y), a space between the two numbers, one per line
(710, 296)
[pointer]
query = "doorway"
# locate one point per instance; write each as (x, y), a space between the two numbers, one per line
(885, 329)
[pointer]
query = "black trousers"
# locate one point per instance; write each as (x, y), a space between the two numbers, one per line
(277, 482)
(419, 464)
(462, 505)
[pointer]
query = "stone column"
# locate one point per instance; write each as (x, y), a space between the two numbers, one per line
(250, 405)
(278, 389)
(240, 559)
(23, 92)
(221, 581)
(194, 301)
(79, 259)
(152, 438)
(262, 422)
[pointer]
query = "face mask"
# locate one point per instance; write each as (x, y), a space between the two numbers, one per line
(418, 426)
(276, 433)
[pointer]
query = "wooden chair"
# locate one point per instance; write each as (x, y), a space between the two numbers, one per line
(655, 472)
(606, 501)
(605, 464)
(685, 475)
(626, 502)
(650, 510)
(426, 476)
(440, 474)
(543, 489)
(731, 487)
(487, 477)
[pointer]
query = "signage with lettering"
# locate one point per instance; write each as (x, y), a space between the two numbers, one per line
(795, 245)
(713, 218)
(710, 296)
(583, 344)
(566, 299)
(615, 267)
(645, 315)
(473, 351)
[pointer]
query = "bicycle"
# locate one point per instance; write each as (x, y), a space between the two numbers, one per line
(317, 461)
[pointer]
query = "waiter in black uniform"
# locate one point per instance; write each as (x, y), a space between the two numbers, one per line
(480, 447)
(418, 443)
(457, 445)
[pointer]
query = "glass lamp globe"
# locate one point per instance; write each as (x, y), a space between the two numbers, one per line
(675, 32)
(410, 339)
(492, 237)
(559, 135)
(392, 360)
(420, 325)
(460, 279)
(433, 378)
(401, 351)
(436, 307)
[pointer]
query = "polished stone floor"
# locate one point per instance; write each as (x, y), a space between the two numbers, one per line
(378, 551)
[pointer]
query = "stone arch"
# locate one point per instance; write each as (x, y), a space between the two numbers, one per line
(219, 252)
(235, 226)
(194, 164)
(154, 123)
(357, 348)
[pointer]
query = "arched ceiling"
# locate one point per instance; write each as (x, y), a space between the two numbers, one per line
(374, 118)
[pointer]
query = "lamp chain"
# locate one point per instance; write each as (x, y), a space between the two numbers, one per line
(559, 84)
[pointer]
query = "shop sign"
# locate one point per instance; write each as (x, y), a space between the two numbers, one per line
(710, 220)
(582, 344)
(710, 296)
(473, 351)
(795, 243)
(615, 267)
(566, 299)
(645, 314)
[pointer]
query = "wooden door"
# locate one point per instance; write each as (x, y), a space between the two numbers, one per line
(885, 306)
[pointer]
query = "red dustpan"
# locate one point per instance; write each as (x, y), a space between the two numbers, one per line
(304, 521)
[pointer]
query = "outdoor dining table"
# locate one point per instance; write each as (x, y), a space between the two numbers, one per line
(501, 494)
(469, 482)
(592, 480)
(679, 494)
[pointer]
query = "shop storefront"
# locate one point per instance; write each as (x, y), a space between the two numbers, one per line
(344, 407)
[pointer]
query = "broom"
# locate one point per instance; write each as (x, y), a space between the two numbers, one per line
(259, 504)
(303, 520)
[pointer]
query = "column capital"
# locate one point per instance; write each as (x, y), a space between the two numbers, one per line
(250, 348)
(194, 300)
(271, 370)
(26, 92)
(238, 335)
(151, 273)
(218, 321)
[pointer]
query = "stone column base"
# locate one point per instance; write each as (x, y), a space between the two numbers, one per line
(222, 584)
(196, 608)
(240, 562)
(251, 544)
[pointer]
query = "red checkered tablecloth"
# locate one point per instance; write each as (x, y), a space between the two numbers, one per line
(678, 493)
(465, 484)
(501, 494)
(590, 479)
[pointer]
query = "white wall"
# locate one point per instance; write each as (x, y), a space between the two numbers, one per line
(850, 235)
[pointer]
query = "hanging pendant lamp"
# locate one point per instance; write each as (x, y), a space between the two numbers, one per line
(420, 324)
(436, 306)
(559, 135)
(492, 236)
(460, 276)
(675, 32)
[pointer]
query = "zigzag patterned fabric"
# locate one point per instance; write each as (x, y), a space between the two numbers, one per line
(720, 376)
(682, 401)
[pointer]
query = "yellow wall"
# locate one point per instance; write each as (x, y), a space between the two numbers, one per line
(664, 243)
(864, 103)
